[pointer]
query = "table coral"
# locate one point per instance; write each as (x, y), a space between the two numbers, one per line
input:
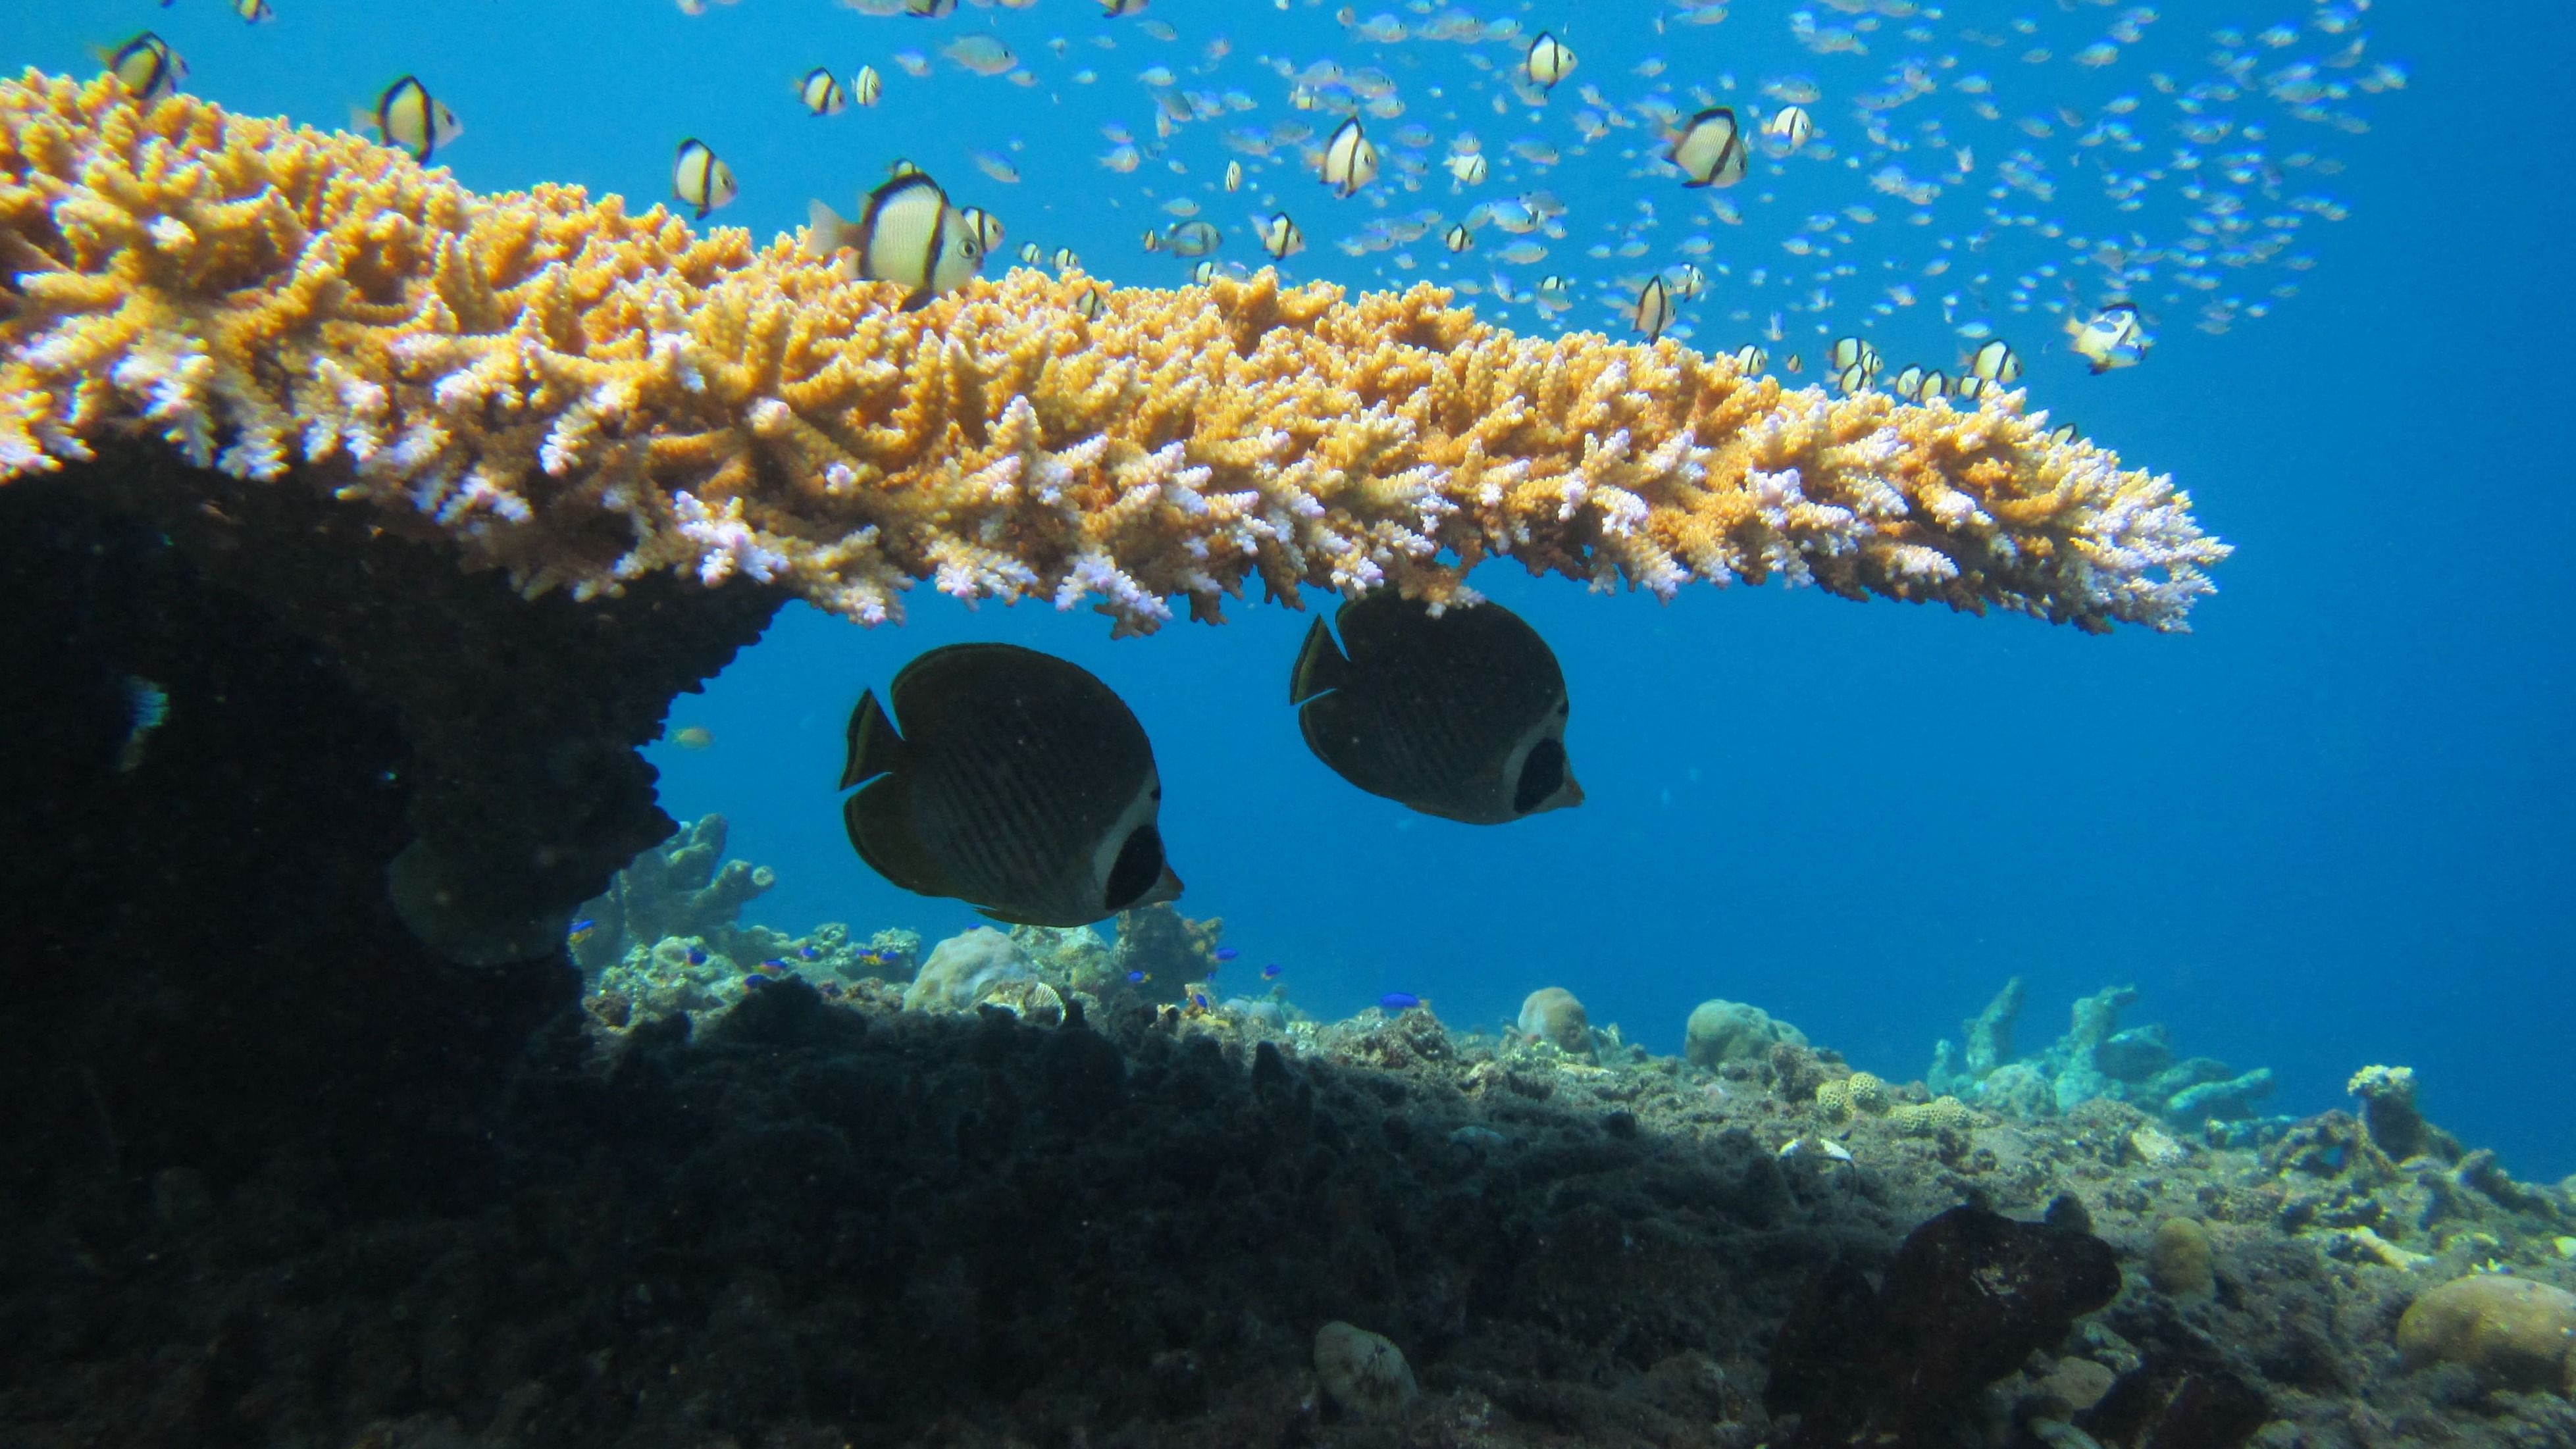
(583, 396)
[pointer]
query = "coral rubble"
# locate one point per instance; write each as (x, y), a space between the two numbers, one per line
(2096, 1060)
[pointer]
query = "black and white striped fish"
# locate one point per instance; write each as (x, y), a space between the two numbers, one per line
(699, 179)
(1350, 158)
(1710, 149)
(907, 233)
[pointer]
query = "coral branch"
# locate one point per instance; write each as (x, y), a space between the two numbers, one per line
(581, 396)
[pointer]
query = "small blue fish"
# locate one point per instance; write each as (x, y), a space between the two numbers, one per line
(1199, 1000)
(809, 953)
(773, 967)
(1227, 953)
(1138, 978)
(1399, 1001)
(754, 979)
(582, 931)
(697, 957)
(1270, 972)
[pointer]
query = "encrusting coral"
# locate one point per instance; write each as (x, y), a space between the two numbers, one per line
(582, 397)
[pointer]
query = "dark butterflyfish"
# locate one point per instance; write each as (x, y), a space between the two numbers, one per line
(1460, 715)
(1019, 783)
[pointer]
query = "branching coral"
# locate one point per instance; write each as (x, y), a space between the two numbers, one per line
(582, 396)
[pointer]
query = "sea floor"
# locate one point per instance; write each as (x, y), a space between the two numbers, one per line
(821, 1220)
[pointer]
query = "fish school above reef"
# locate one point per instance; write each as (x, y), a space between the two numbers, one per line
(583, 396)
(1935, 174)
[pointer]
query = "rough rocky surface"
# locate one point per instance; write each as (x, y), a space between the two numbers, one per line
(518, 718)
(273, 1172)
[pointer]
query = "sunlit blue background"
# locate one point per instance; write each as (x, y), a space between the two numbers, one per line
(2330, 828)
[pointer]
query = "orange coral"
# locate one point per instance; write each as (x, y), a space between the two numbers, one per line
(581, 396)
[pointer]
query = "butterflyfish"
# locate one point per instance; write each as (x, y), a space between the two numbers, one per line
(1460, 715)
(1011, 780)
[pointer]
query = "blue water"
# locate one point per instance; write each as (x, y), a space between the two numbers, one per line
(2329, 828)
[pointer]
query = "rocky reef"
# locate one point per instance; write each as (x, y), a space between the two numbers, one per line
(1021, 1199)
(287, 1161)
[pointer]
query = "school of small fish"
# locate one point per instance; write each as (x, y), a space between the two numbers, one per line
(2076, 175)
(2073, 176)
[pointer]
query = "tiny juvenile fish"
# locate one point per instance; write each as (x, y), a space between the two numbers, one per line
(407, 116)
(821, 92)
(146, 66)
(1548, 61)
(700, 180)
